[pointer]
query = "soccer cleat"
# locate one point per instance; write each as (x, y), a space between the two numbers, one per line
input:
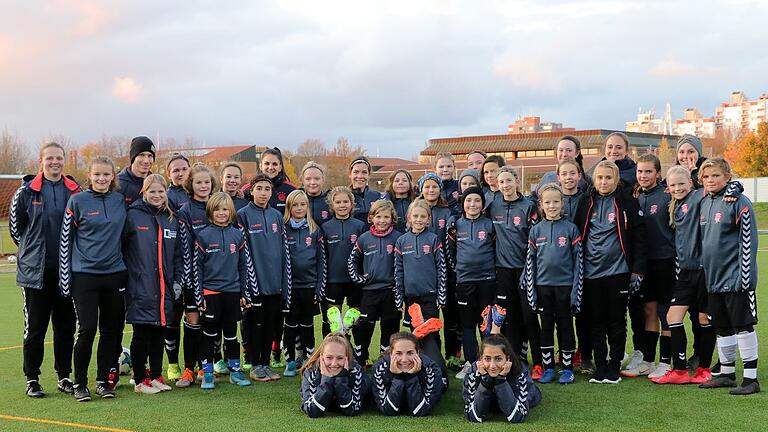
(587, 367)
(238, 378)
(548, 376)
(453, 363)
(566, 376)
(430, 326)
(486, 322)
(259, 374)
(221, 367)
(290, 369)
(701, 376)
(598, 376)
(722, 381)
(368, 364)
(146, 387)
(350, 319)
(113, 379)
(81, 393)
(612, 377)
(334, 319)
(273, 376)
(715, 370)
(498, 315)
(414, 311)
(65, 386)
(660, 371)
(34, 389)
(748, 389)
(247, 367)
(275, 363)
(105, 390)
(634, 361)
(186, 380)
(640, 368)
(673, 377)
(159, 383)
(464, 371)
(173, 373)
(537, 372)
(207, 383)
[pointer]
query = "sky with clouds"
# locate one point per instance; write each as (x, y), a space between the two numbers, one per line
(389, 75)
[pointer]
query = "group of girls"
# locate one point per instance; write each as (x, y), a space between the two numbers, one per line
(460, 255)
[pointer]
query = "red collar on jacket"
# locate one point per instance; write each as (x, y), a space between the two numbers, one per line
(37, 183)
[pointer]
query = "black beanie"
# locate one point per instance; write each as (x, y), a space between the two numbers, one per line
(470, 191)
(141, 144)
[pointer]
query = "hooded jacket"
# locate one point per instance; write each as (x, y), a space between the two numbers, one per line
(155, 246)
(34, 221)
(340, 237)
(91, 236)
(372, 261)
(512, 220)
(420, 268)
(419, 393)
(267, 243)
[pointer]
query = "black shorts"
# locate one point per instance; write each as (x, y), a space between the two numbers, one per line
(221, 308)
(507, 286)
(733, 310)
(188, 296)
(378, 304)
(659, 281)
(303, 307)
(472, 298)
(428, 306)
(336, 292)
(690, 290)
(554, 300)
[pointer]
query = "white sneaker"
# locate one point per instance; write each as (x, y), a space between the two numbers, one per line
(145, 389)
(160, 385)
(660, 371)
(634, 361)
(464, 371)
(642, 368)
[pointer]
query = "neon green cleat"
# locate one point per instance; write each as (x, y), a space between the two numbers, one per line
(221, 367)
(276, 363)
(350, 318)
(334, 319)
(173, 373)
(247, 367)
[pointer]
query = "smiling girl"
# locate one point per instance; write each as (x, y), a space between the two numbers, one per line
(401, 192)
(359, 173)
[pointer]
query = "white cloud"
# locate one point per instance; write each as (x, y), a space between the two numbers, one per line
(528, 73)
(675, 69)
(126, 89)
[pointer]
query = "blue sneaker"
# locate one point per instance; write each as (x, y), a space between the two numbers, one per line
(290, 369)
(498, 315)
(566, 376)
(238, 378)
(207, 383)
(548, 376)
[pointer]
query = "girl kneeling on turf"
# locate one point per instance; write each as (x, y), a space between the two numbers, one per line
(499, 376)
(154, 245)
(406, 377)
(308, 272)
(553, 281)
(221, 285)
(331, 379)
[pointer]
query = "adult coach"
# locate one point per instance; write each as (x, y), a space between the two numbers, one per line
(36, 214)
(131, 178)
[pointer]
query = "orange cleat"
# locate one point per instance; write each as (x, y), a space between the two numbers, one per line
(701, 376)
(673, 377)
(414, 311)
(430, 326)
(537, 372)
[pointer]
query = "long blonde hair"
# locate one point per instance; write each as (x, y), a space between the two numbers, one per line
(338, 338)
(157, 179)
(289, 203)
(676, 170)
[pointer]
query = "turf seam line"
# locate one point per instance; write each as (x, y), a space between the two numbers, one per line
(62, 423)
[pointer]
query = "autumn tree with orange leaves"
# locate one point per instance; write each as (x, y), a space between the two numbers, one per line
(748, 155)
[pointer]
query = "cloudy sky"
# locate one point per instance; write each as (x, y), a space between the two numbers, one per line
(387, 74)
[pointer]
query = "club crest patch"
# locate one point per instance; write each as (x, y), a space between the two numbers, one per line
(611, 217)
(281, 196)
(353, 238)
(426, 248)
(481, 235)
(718, 217)
(654, 209)
(324, 214)
(455, 195)
(232, 248)
(684, 207)
(441, 223)
(274, 227)
(561, 241)
(308, 241)
(390, 248)
(516, 220)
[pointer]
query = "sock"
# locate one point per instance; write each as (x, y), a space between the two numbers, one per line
(726, 349)
(191, 345)
(649, 346)
(747, 342)
(217, 350)
(566, 358)
(172, 336)
(207, 366)
(679, 343)
(234, 364)
(547, 357)
(706, 344)
(665, 349)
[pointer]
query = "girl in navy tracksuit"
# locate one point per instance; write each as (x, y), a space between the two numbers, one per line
(513, 216)
(92, 271)
(264, 229)
(656, 289)
(340, 234)
(154, 245)
(308, 275)
(613, 238)
(34, 222)
(401, 192)
(331, 380)
(200, 184)
(445, 168)
(472, 252)
(231, 182)
(499, 379)
(489, 176)
(553, 281)
(222, 283)
(313, 183)
(430, 190)
(406, 378)
(729, 244)
(177, 170)
(372, 265)
(359, 173)
(420, 279)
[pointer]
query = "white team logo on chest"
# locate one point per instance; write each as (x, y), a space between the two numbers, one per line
(654, 209)
(561, 241)
(685, 208)
(718, 217)
(308, 241)
(611, 217)
(353, 238)
(274, 227)
(516, 220)
(481, 235)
